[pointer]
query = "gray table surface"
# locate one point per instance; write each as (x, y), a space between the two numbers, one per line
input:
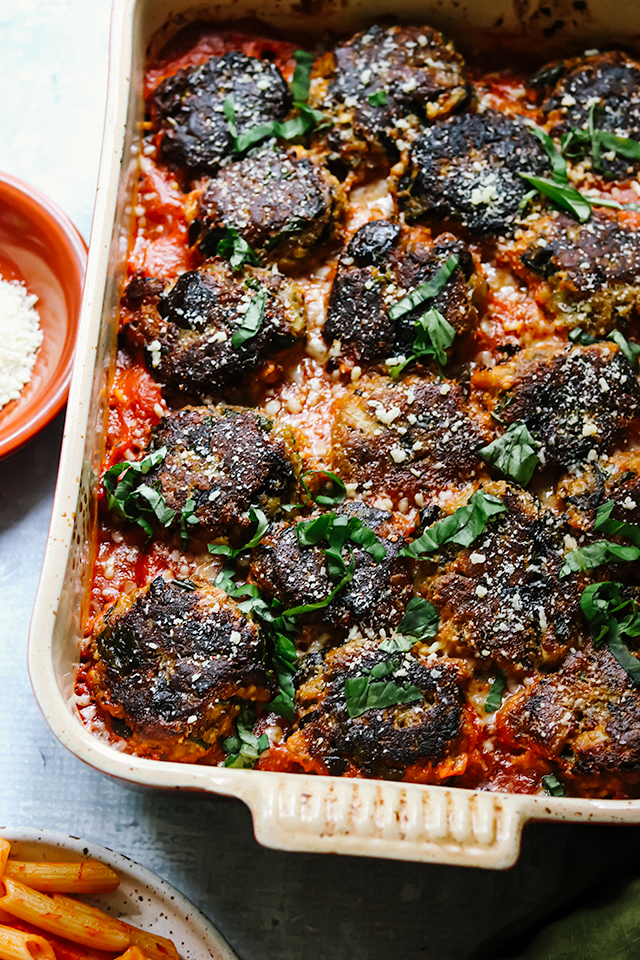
(270, 905)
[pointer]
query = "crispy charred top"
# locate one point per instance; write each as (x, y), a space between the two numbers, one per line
(467, 169)
(576, 401)
(586, 717)
(403, 438)
(592, 269)
(501, 597)
(227, 460)
(189, 108)
(380, 742)
(173, 662)
(377, 268)
(187, 332)
(607, 87)
(614, 478)
(282, 202)
(295, 575)
(410, 73)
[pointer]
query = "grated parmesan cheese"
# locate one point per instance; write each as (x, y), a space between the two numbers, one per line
(20, 338)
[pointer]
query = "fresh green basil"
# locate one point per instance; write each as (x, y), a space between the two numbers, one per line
(433, 338)
(595, 555)
(187, 518)
(252, 320)
(132, 499)
(558, 163)
(369, 692)
(307, 120)
(256, 516)
(552, 786)
(244, 748)
(300, 82)
(328, 498)
(426, 291)
(397, 644)
(461, 527)
(496, 690)
(378, 99)
(284, 659)
(563, 195)
(235, 249)
(605, 523)
(611, 619)
(421, 619)
(514, 453)
(630, 350)
(312, 607)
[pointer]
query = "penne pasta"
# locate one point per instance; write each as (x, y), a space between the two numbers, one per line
(5, 848)
(63, 917)
(16, 945)
(90, 876)
(154, 946)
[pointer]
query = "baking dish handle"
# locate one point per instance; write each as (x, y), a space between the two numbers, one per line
(395, 820)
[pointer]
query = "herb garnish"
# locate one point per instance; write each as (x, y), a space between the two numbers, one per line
(604, 551)
(552, 786)
(461, 527)
(300, 82)
(497, 688)
(421, 620)
(252, 319)
(514, 453)
(371, 692)
(307, 120)
(187, 516)
(132, 499)
(610, 620)
(434, 336)
(426, 291)
(235, 249)
(562, 194)
(629, 349)
(594, 141)
(378, 99)
(244, 748)
(336, 492)
(256, 516)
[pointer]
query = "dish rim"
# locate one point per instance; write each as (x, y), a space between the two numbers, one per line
(290, 811)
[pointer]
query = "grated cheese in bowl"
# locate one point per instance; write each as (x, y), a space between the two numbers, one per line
(20, 338)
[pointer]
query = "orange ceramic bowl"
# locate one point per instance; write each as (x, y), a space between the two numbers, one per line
(41, 247)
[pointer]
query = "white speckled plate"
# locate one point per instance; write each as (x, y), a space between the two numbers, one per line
(142, 899)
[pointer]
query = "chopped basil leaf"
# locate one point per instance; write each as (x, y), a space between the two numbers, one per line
(235, 249)
(426, 291)
(421, 619)
(244, 748)
(497, 688)
(595, 555)
(284, 660)
(378, 99)
(133, 500)
(229, 111)
(370, 693)
(256, 516)
(558, 163)
(187, 516)
(396, 644)
(514, 453)
(337, 531)
(328, 498)
(300, 81)
(610, 617)
(461, 527)
(563, 195)
(299, 126)
(434, 336)
(252, 319)
(311, 607)
(605, 523)
(629, 349)
(552, 786)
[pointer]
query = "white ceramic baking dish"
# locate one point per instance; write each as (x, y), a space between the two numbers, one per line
(290, 812)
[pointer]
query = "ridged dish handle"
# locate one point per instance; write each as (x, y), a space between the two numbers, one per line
(395, 820)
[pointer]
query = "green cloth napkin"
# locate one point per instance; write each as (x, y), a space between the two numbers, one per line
(606, 927)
